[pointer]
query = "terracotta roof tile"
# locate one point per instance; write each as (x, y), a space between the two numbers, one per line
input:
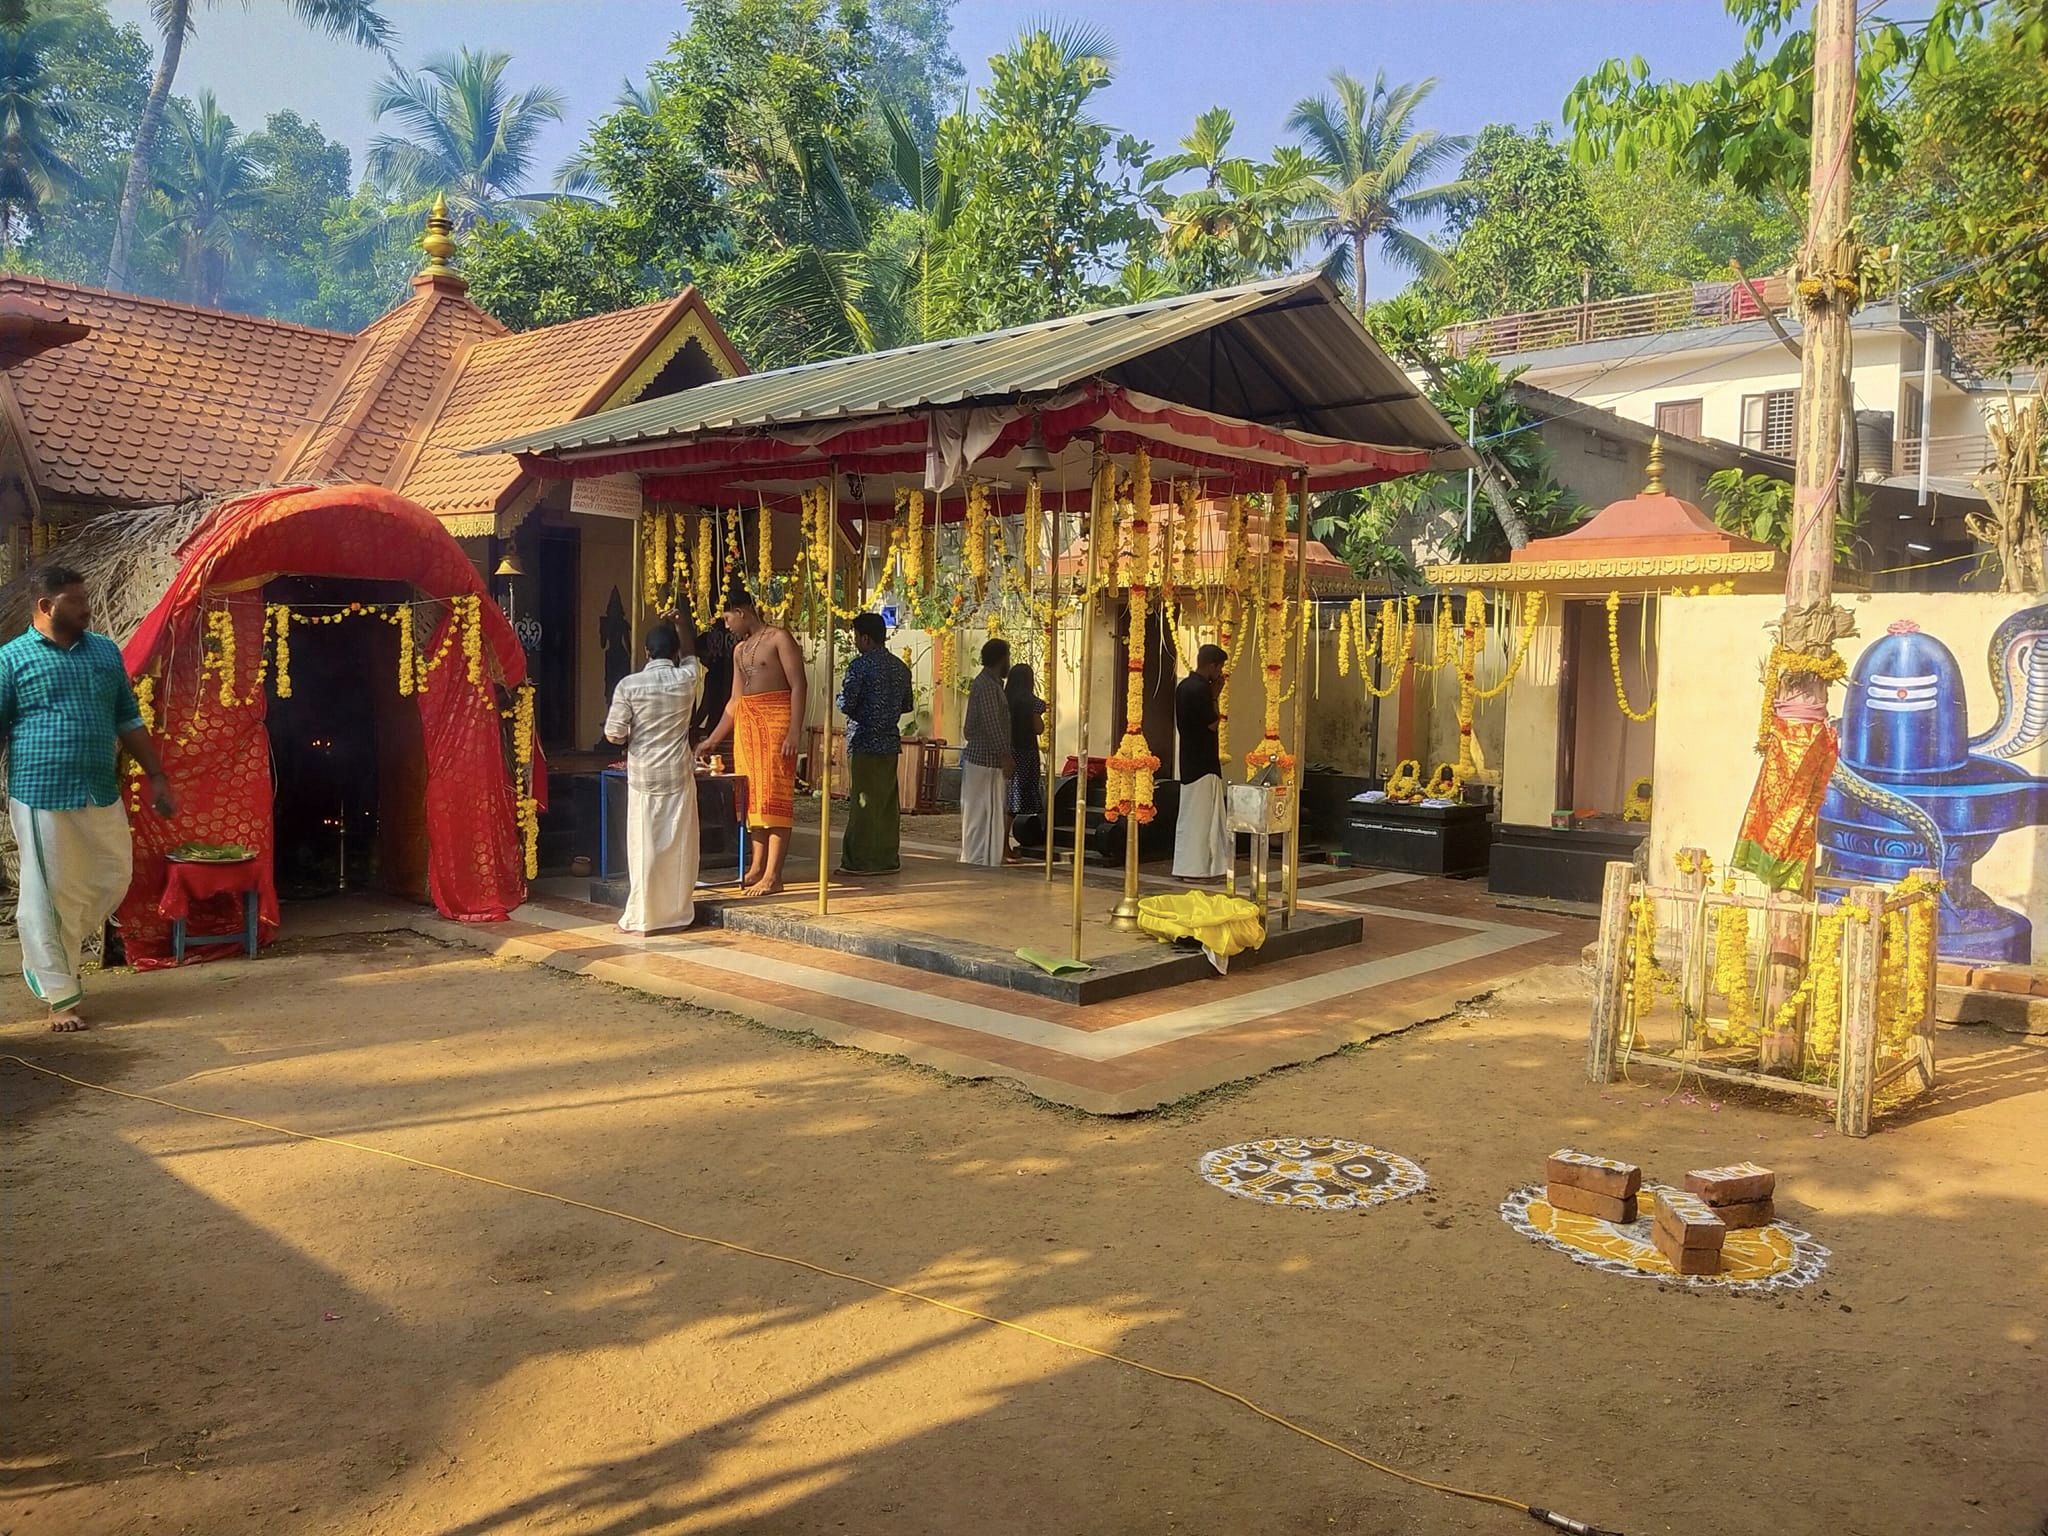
(520, 383)
(161, 400)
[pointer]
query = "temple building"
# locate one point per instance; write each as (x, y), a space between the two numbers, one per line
(1575, 785)
(112, 401)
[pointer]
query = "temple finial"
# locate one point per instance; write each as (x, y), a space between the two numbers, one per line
(439, 244)
(1654, 486)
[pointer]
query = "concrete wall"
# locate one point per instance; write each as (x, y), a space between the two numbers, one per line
(1709, 694)
(604, 562)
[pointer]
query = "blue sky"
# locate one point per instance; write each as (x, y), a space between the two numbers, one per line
(1496, 60)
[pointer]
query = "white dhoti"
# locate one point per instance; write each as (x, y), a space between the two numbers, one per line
(661, 859)
(984, 815)
(75, 868)
(1201, 837)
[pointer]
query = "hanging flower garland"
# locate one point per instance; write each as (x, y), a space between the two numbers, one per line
(1129, 788)
(1190, 535)
(527, 806)
(704, 570)
(220, 652)
(975, 539)
(913, 541)
(1273, 638)
(1614, 661)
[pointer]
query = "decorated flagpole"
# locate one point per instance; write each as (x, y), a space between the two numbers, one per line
(828, 510)
(1052, 667)
(1086, 608)
(1298, 724)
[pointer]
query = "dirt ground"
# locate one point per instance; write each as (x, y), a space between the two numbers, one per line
(214, 1329)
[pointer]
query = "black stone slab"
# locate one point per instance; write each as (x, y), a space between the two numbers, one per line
(1420, 839)
(1122, 975)
(1558, 863)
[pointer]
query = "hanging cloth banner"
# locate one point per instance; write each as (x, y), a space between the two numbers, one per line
(958, 438)
(1778, 829)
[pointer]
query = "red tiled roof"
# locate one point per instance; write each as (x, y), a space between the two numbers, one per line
(379, 405)
(161, 400)
(523, 382)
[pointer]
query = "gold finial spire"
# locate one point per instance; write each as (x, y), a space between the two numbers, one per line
(1654, 486)
(439, 241)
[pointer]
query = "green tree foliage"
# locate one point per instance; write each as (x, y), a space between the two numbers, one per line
(303, 176)
(34, 171)
(1759, 507)
(1523, 228)
(358, 20)
(1047, 200)
(87, 93)
(1662, 230)
(1242, 221)
(469, 137)
(1969, 204)
(1379, 169)
(1753, 121)
(209, 191)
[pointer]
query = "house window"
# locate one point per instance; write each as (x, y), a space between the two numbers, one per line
(1770, 423)
(1679, 418)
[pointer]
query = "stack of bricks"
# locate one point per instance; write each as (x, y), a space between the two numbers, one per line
(1688, 1233)
(1592, 1186)
(1739, 1194)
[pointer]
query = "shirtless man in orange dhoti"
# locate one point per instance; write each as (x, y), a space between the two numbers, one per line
(765, 718)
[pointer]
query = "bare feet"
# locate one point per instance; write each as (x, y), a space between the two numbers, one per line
(66, 1021)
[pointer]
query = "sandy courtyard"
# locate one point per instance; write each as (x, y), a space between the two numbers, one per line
(214, 1329)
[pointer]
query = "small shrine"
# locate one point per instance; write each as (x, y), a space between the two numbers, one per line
(1575, 777)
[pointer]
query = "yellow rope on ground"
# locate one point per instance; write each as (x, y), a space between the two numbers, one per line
(1499, 1500)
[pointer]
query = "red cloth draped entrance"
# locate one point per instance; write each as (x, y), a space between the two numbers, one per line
(217, 751)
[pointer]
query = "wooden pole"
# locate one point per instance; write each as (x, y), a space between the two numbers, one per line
(1297, 725)
(1610, 974)
(1051, 519)
(1086, 607)
(1856, 1077)
(1826, 271)
(831, 511)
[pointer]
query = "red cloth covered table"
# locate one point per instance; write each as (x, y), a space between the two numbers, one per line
(187, 884)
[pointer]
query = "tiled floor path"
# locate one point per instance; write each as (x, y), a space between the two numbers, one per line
(1428, 944)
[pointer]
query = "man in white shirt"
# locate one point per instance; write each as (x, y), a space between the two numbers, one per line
(650, 718)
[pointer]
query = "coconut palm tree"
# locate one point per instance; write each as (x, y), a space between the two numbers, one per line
(1379, 166)
(33, 173)
(360, 21)
(472, 138)
(210, 188)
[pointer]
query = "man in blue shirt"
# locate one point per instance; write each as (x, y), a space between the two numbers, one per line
(874, 698)
(64, 704)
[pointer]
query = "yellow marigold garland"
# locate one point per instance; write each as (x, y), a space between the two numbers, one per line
(913, 542)
(1405, 785)
(1273, 638)
(220, 651)
(1131, 769)
(528, 806)
(408, 668)
(1785, 662)
(1614, 661)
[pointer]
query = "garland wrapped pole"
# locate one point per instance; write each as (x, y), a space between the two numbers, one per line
(1127, 790)
(828, 514)
(1052, 661)
(1798, 747)
(1298, 725)
(1098, 494)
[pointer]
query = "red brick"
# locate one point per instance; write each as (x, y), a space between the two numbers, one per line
(1748, 1213)
(1687, 1261)
(1585, 1203)
(1733, 1185)
(1951, 973)
(1688, 1220)
(2003, 978)
(1596, 1175)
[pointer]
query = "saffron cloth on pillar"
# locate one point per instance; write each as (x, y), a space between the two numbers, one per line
(1778, 829)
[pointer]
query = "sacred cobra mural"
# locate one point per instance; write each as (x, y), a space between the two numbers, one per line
(1915, 789)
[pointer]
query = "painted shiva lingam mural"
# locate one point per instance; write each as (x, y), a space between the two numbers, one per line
(1914, 788)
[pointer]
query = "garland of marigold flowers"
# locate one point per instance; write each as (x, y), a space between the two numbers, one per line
(974, 534)
(220, 651)
(1614, 662)
(1190, 535)
(1128, 790)
(528, 807)
(704, 570)
(1273, 638)
(1405, 784)
(1784, 662)
(913, 541)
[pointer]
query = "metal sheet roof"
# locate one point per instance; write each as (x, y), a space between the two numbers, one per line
(1282, 353)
